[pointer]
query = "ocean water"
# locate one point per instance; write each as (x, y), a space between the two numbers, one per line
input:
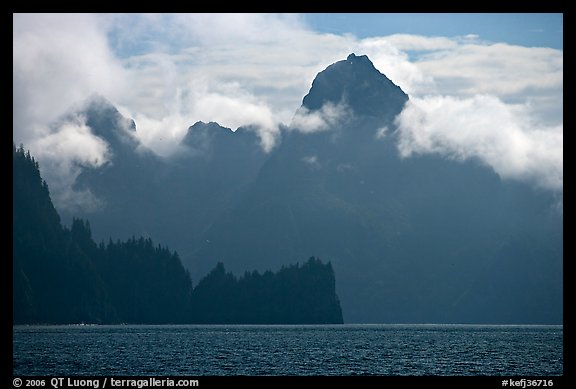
(224, 350)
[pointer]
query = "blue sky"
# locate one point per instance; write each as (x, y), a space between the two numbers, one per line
(482, 86)
(526, 29)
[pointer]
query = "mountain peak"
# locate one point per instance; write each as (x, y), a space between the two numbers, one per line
(200, 135)
(106, 122)
(362, 58)
(356, 82)
(210, 126)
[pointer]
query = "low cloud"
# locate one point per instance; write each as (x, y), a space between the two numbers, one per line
(327, 117)
(58, 61)
(502, 136)
(82, 149)
(499, 69)
(514, 74)
(397, 65)
(199, 99)
(168, 71)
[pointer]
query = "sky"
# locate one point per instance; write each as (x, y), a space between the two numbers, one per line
(524, 29)
(482, 86)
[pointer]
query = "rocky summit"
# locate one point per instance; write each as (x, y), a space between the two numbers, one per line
(422, 239)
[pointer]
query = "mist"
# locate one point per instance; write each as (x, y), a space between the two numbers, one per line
(169, 71)
(504, 137)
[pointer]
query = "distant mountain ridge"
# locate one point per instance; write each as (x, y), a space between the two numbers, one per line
(61, 276)
(411, 240)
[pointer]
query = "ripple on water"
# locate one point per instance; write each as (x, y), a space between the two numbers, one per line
(288, 350)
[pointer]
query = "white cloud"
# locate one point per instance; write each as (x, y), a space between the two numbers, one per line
(252, 71)
(466, 66)
(498, 69)
(169, 71)
(200, 99)
(382, 132)
(74, 140)
(327, 117)
(58, 60)
(396, 65)
(409, 42)
(515, 74)
(145, 63)
(502, 136)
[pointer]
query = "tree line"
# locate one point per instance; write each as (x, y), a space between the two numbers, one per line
(61, 275)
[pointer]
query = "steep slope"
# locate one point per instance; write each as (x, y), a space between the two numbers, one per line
(60, 275)
(171, 200)
(419, 239)
(356, 82)
(54, 281)
(422, 239)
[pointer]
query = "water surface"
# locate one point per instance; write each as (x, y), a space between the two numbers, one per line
(223, 350)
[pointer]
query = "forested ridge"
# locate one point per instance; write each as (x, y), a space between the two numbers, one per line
(61, 275)
(295, 294)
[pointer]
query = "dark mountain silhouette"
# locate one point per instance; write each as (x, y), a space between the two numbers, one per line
(422, 239)
(61, 275)
(419, 239)
(355, 81)
(170, 200)
(106, 122)
(48, 268)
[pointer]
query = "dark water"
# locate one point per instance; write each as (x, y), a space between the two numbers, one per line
(288, 350)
